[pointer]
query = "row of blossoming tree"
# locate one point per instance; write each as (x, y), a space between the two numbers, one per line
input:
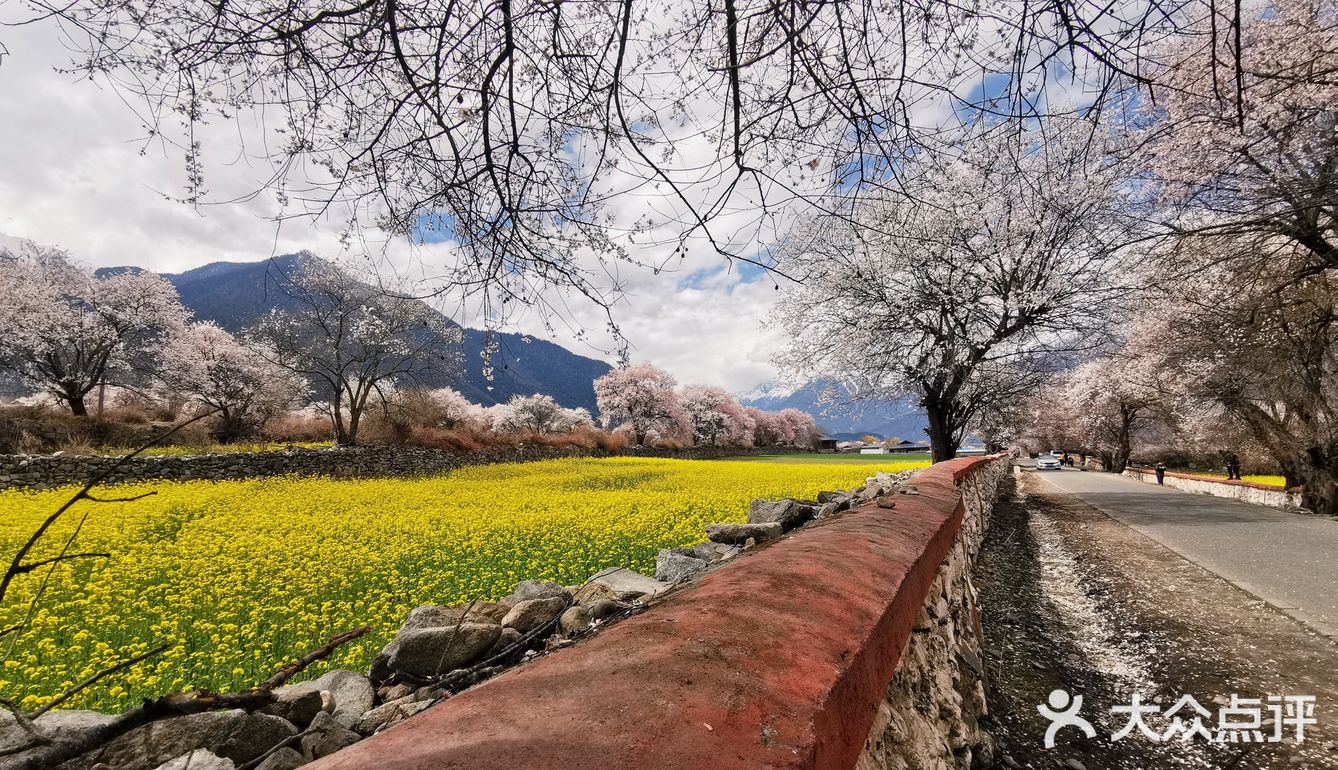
(337, 345)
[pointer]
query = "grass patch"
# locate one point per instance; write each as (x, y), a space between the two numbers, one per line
(186, 450)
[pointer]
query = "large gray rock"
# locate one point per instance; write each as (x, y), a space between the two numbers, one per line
(508, 637)
(738, 534)
(710, 552)
(352, 692)
(200, 759)
(389, 713)
(326, 737)
(436, 616)
(606, 609)
(590, 593)
(788, 513)
(60, 726)
(528, 590)
(576, 618)
(624, 581)
(284, 759)
(673, 567)
(530, 614)
(434, 651)
(234, 735)
(297, 706)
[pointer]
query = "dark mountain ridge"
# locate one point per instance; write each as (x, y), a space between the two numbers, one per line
(840, 418)
(236, 294)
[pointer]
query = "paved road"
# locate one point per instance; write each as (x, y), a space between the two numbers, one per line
(1289, 560)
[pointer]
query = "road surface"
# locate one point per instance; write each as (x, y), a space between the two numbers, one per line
(1289, 560)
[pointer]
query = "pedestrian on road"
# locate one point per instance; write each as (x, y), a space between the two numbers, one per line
(1161, 473)
(1233, 467)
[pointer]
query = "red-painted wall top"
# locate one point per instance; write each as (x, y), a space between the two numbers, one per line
(775, 660)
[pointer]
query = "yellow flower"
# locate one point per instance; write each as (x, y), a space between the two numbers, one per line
(240, 577)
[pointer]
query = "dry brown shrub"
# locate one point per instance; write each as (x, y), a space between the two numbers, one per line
(297, 428)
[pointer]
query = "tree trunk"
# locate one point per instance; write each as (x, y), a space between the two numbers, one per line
(337, 417)
(77, 405)
(354, 417)
(942, 433)
(1318, 474)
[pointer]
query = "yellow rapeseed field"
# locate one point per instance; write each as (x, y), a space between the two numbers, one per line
(240, 576)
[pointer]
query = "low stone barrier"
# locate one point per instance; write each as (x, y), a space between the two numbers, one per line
(854, 641)
(1245, 491)
(43, 471)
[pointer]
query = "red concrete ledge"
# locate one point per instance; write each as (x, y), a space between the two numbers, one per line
(1216, 480)
(776, 660)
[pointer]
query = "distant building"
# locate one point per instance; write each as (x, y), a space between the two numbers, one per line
(826, 444)
(902, 447)
(872, 450)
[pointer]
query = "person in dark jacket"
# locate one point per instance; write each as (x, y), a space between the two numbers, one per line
(1233, 467)
(1161, 473)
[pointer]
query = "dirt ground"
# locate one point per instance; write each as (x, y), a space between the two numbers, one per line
(1074, 600)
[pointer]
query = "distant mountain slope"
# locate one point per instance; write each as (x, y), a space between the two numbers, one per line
(234, 294)
(880, 418)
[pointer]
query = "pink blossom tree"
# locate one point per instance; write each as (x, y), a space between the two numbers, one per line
(208, 365)
(640, 401)
(716, 418)
(799, 427)
(538, 413)
(68, 330)
(768, 428)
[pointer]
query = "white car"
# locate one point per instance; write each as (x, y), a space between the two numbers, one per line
(1048, 463)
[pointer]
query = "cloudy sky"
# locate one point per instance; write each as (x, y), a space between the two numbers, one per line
(80, 175)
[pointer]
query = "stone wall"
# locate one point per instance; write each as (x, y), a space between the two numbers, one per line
(1244, 491)
(43, 471)
(852, 642)
(930, 716)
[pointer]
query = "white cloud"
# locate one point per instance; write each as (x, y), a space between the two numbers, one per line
(79, 175)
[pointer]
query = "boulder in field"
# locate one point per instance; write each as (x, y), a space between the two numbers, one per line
(506, 639)
(623, 580)
(738, 534)
(590, 593)
(284, 759)
(200, 759)
(433, 651)
(352, 693)
(297, 706)
(389, 713)
(234, 735)
(326, 736)
(528, 615)
(576, 618)
(788, 513)
(606, 609)
(528, 590)
(674, 567)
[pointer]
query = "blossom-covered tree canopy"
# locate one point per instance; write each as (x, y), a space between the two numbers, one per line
(350, 341)
(68, 330)
(209, 365)
(639, 400)
(1244, 139)
(1007, 256)
(538, 413)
